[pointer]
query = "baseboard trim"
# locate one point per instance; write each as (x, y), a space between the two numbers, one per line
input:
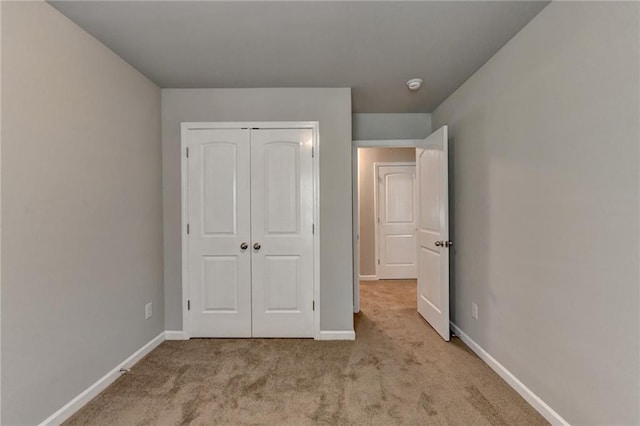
(337, 335)
(534, 400)
(174, 335)
(92, 391)
(368, 278)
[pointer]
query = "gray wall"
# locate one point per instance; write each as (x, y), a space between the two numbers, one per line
(332, 108)
(366, 188)
(81, 219)
(371, 126)
(544, 142)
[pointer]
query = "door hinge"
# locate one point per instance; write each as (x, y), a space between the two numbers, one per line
(313, 228)
(378, 220)
(188, 305)
(187, 152)
(313, 305)
(187, 229)
(313, 152)
(378, 261)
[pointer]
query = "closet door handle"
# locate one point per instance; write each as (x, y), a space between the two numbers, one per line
(244, 246)
(439, 243)
(257, 246)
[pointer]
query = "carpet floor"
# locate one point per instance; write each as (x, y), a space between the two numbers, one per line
(398, 371)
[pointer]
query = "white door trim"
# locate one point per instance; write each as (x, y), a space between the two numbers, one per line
(386, 143)
(314, 126)
(355, 219)
(376, 176)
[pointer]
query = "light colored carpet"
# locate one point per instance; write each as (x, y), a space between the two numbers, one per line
(398, 371)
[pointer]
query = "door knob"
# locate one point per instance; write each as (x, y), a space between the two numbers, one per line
(439, 243)
(257, 246)
(244, 246)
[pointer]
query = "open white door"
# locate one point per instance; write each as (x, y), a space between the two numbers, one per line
(432, 234)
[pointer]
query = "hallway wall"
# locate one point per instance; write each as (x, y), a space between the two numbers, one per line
(376, 126)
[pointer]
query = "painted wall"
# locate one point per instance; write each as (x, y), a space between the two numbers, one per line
(544, 141)
(81, 219)
(332, 108)
(366, 189)
(374, 126)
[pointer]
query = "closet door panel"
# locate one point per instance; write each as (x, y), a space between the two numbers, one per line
(282, 196)
(220, 221)
(281, 284)
(281, 229)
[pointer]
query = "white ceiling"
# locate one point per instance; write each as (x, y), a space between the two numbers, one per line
(372, 47)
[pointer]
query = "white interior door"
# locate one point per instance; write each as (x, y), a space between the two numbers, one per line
(396, 221)
(219, 226)
(282, 233)
(432, 234)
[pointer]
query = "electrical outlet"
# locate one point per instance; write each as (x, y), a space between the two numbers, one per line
(474, 310)
(148, 310)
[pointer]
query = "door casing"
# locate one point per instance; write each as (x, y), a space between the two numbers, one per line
(314, 127)
(355, 145)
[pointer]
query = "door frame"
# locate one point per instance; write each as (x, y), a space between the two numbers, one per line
(376, 187)
(314, 126)
(355, 145)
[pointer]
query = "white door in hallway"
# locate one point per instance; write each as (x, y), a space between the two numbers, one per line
(219, 215)
(432, 233)
(396, 221)
(282, 232)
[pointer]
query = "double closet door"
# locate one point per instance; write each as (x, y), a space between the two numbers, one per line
(250, 237)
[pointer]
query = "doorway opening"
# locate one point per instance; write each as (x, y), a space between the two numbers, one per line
(369, 156)
(405, 233)
(386, 206)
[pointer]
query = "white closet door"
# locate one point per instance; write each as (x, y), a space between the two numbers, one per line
(396, 222)
(219, 222)
(282, 235)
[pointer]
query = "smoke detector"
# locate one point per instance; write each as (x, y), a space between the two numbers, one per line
(414, 84)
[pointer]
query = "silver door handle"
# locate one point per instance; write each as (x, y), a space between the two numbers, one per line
(257, 246)
(439, 243)
(244, 246)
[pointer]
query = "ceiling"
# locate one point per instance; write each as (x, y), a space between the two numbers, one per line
(372, 47)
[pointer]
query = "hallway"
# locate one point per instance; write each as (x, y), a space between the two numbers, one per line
(398, 371)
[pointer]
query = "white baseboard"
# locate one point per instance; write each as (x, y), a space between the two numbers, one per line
(368, 278)
(534, 400)
(174, 335)
(337, 335)
(92, 391)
